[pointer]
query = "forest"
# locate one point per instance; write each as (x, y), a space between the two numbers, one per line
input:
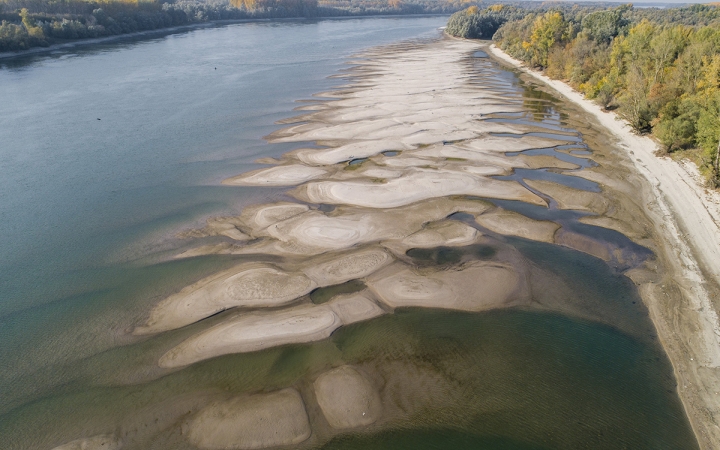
(658, 68)
(40, 23)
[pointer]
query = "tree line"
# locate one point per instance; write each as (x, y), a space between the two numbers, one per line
(35, 23)
(658, 68)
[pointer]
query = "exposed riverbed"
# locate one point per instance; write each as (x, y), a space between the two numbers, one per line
(449, 271)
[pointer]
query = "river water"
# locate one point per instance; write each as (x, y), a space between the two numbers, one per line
(109, 151)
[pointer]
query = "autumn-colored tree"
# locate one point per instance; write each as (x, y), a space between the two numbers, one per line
(548, 30)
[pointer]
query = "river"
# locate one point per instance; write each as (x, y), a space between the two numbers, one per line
(109, 151)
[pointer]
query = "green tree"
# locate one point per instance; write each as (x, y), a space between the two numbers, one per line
(603, 26)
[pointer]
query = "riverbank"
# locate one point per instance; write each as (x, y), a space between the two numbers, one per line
(686, 217)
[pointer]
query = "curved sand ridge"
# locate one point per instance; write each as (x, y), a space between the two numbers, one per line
(247, 285)
(361, 149)
(289, 175)
(257, 421)
(347, 398)
(448, 233)
(416, 185)
(259, 217)
(256, 331)
(314, 232)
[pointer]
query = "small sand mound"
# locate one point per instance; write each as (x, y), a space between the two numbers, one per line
(478, 286)
(258, 421)
(355, 308)
(348, 267)
(289, 175)
(257, 331)
(446, 233)
(514, 224)
(347, 398)
(102, 442)
(315, 229)
(247, 285)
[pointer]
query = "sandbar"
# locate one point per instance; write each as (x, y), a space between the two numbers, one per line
(289, 175)
(247, 285)
(416, 185)
(355, 265)
(478, 286)
(260, 330)
(252, 422)
(514, 224)
(347, 398)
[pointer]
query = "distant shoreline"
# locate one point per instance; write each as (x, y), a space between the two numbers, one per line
(686, 220)
(171, 30)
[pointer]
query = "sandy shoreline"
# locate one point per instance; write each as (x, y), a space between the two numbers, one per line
(686, 216)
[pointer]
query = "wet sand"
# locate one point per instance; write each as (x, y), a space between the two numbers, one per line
(684, 302)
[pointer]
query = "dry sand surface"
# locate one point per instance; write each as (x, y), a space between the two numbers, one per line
(568, 198)
(258, 421)
(416, 185)
(448, 233)
(514, 224)
(687, 217)
(347, 398)
(313, 232)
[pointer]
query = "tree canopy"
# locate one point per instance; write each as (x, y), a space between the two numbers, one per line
(659, 68)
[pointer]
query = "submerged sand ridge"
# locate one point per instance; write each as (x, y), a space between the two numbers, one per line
(409, 164)
(347, 398)
(102, 442)
(259, 421)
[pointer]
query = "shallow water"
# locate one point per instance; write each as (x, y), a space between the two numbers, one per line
(92, 206)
